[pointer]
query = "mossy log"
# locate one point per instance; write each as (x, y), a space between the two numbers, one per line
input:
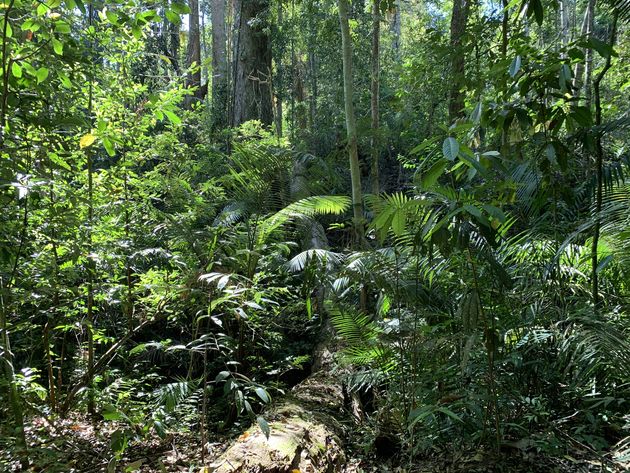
(304, 435)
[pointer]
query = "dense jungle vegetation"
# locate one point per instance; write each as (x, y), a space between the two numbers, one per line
(314, 235)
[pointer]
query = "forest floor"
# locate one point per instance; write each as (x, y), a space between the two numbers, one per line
(76, 445)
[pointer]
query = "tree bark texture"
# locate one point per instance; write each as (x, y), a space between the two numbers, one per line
(252, 68)
(459, 20)
(351, 125)
(219, 66)
(305, 432)
(193, 51)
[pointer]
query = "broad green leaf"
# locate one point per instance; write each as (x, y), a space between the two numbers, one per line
(137, 31)
(222, 376)
(62, 27)
(174, 119)
(536, 8)
(515, 66)
(582, 115)
(111, 413)
(263, 395)
(604, 49)
(41, 74)
(112, 17)
(264, 426)
(55, 158)
(173, 17)
(65, 81)
(16, 70)
(450, 148)
(87, 140)
(430, 177)
(134, 466)
(57, 46)
(109, 146)
(180, 8)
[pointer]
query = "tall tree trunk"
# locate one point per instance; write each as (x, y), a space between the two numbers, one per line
(374, 102)
(219, 66)
(171, 42)
(599, 170)
(312, 72)
(351, 125)
(578, 75)
(564, 22)
(459, 20)
(193, 52)
(588, 69)
(91, 263)
(252, 70)
(279, 80)
(299, 93)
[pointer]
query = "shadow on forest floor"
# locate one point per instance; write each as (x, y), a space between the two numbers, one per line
(77, 445)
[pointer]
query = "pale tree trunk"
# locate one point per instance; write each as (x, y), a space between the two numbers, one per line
(374, 102)
(312, 70)
(459, 20)
(252, 69)
(564, 22)
(585, 68)
(193, 52)
(578, 75)
(351, 125)
(588, 70)
(219, 66)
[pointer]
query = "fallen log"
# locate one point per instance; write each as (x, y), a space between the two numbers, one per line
(305, 431)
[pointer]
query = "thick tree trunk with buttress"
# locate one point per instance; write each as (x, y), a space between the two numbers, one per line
(219, 66)
(351, 124)
(252, 68)
(193, 53)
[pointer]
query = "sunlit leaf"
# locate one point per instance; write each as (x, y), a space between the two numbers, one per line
(87, 140)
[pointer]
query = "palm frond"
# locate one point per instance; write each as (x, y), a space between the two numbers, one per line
(172, 394)
(595, 346)
(308, 207)
(325, 258)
